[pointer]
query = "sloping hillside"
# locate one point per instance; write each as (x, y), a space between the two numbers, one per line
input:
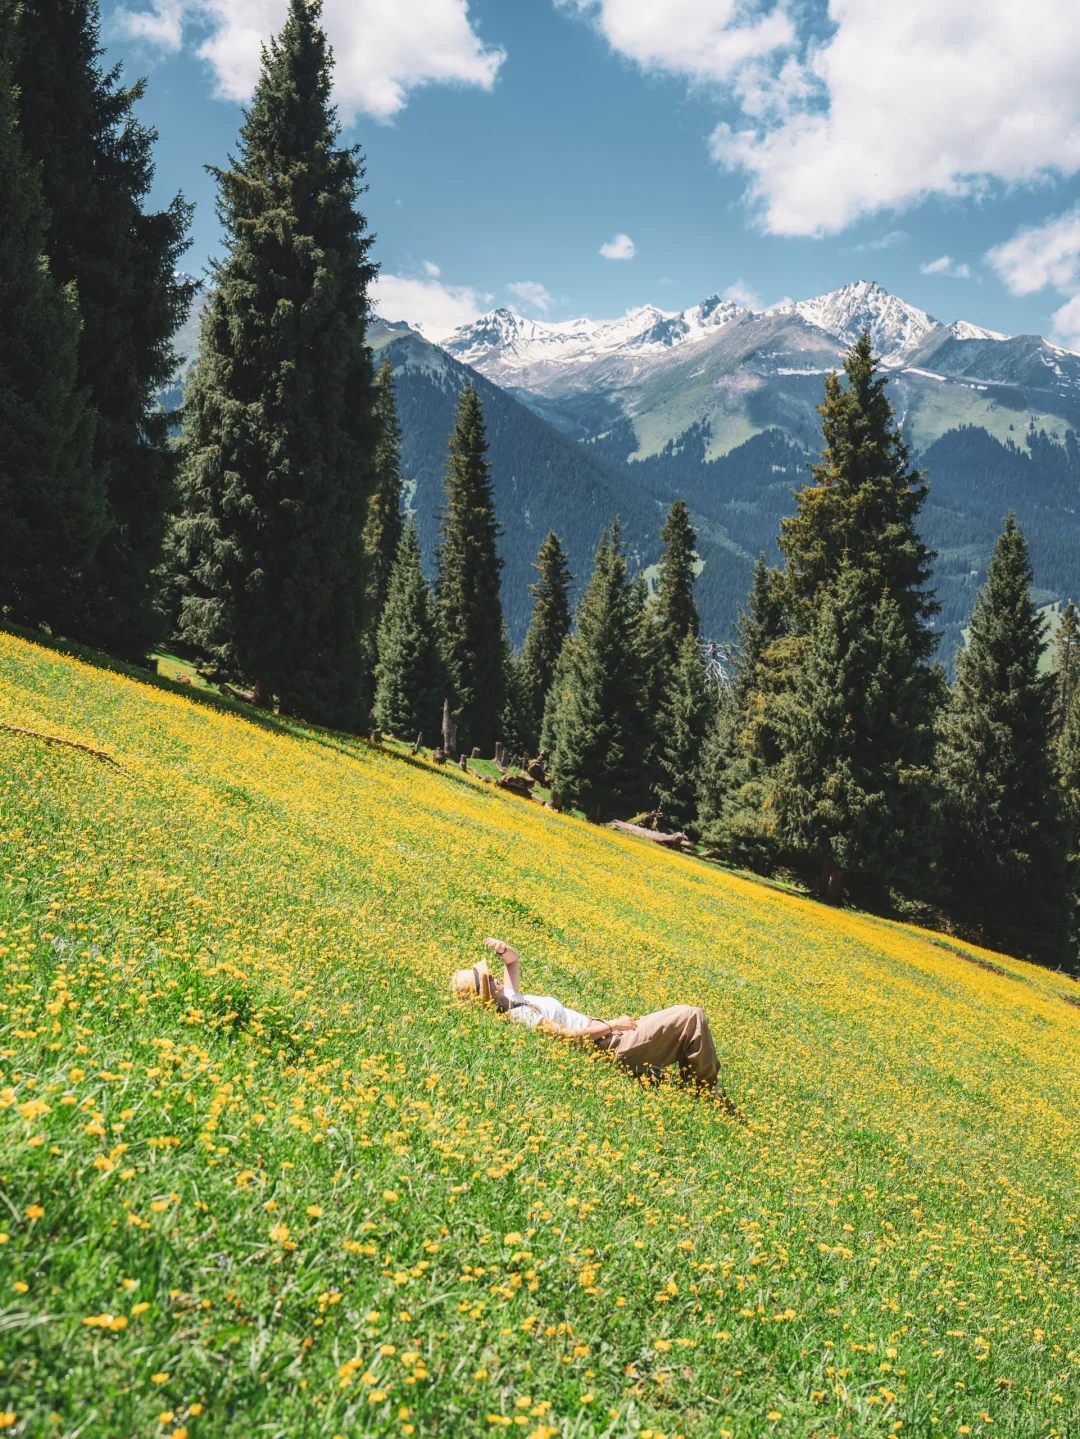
(259, 1175)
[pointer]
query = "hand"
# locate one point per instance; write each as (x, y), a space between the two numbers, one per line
(498, 945)
(623, 1025)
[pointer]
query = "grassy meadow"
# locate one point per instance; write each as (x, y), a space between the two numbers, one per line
(259, 1176)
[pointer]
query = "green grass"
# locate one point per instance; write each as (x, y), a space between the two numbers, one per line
(296, 1191)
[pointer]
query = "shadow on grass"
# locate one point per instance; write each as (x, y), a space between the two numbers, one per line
(354, 746)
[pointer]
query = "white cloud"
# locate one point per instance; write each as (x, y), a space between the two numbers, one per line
(740, 294)
(532, 294)
(947, 267)
(1047, 254)
(620, 248)
(888, 241)
(893, 103)
(708, 40)
(382, 50)
(431, 269)
(429, 306)
(1067, 324)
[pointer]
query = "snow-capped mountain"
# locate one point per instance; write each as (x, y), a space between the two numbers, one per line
(506, 346)
(896, 328)
(733, 372)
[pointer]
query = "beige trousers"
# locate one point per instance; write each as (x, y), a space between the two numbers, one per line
(679, 1035)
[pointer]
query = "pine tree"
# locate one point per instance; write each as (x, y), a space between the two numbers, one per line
(742, 744)
(1006, 854)
(675, 591)
(683, 721)
(1066, 661)
(384, 528)
(385, 524)
(517, 725)
(411, 682)
(279, 432)
(854, 788)
(592, 723)
(467, 592)
(862, 507)
(549, 626)
(52, 508)
(96, 165)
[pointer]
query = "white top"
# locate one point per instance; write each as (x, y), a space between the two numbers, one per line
(543, 1009)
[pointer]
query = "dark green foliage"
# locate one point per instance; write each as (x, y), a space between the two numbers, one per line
(517, 724)
(862, 507)
(541, 480)
(854, 788)
(467, 592)
(1006, 842)
(741, 744)
(52, 507)
(96, 168)
(411, 681)
(385, 524)
(548, 629)
(593, 722)
(1066, 661)
(683, 720)
(678, 614)
(384, 528)
(279, 432)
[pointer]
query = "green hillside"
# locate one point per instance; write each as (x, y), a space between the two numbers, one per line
(259, 1175)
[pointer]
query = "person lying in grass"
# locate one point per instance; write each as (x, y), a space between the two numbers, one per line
(679, 1035)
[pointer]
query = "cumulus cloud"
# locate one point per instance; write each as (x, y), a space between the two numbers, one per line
(431, 269)
(894, 103)
(1067, 324)
(740, 294)
(382, 51)
(435, 309)
(708, 40)
(619, 248)
(1045, 255)
(947, 267)
(1040, 255)
(532, 295)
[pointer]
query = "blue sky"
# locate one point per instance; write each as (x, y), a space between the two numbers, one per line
(769, 150)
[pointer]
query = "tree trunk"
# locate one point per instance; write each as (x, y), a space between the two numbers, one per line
(831, 883)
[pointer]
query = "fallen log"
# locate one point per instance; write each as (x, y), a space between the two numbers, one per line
(69, 743)
(669, 841)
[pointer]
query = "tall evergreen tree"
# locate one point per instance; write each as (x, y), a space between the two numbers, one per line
(682, 725)
(96, 165)
(1066, 660)
(385, 522)
(862, 507)
(467, 592)
(1007, 849)
(52, 511)
(279, 432)
(854, 788)
(549, 626)
(742, 744)
(592, 723)
(678, 614)
(411, 682)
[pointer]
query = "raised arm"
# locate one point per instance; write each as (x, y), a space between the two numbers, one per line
(511, 961)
